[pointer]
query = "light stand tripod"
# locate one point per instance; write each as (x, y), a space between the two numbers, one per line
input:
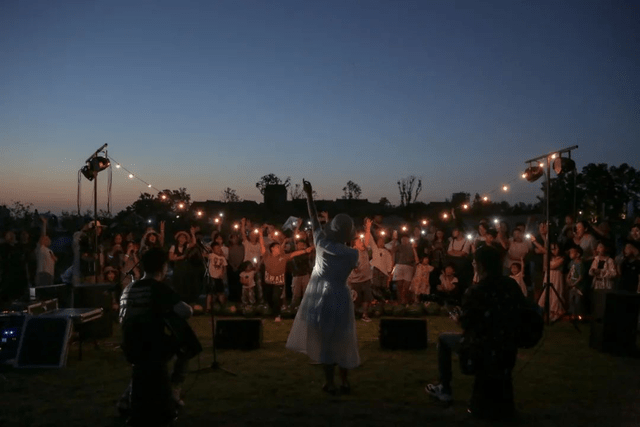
(215, 365)
(532, 174)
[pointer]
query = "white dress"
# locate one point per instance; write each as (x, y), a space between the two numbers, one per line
(556, 310)
(325, 327)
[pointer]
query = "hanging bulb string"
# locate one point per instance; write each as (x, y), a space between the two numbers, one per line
(131, 174)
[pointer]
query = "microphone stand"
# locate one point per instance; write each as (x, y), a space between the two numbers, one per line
(215, 365)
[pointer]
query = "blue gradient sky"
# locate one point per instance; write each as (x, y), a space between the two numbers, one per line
(207, 95)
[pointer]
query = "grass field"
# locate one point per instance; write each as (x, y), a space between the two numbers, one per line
(563, 382)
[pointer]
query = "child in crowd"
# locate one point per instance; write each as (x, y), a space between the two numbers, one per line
(217, 271)
(421, 284)
(575, 282)
(301, 272)
(603, 269)
(518, 276)
(448, 287)
(247, 279)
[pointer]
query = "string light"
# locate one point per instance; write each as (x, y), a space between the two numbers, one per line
(217, 220)
(199, 213)
(181, 206)
(132, 175)
(465, 206)
(425, 222)
(236, 226)
(221, 214)
(505, 188)
(553, 156)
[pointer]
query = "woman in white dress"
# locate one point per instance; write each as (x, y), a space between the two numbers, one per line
(324, 327)
(556, 309)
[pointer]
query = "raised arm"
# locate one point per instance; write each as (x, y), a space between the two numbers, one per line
(263, 248)
(162, 233)
(367, 232)
(313, 213)
(243, 231)
(44, 226)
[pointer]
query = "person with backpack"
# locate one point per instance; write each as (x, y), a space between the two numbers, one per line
(490, 318)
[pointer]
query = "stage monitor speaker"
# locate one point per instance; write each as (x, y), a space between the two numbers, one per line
(96, 295)
(403, 334)
(11, 325)
(239, 334)
(44, 342)
(60, 292)
(614, 326)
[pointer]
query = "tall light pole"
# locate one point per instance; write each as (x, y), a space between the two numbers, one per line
(533, 172)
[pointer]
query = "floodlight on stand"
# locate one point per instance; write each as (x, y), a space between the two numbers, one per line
(532, 173)
(94, 166)
(563, 164)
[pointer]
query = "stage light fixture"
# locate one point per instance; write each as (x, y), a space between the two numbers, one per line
(563, 164)
(94, 166)
(532, 173)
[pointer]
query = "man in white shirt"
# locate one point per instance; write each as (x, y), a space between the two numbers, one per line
(45, 259)
(381, 265)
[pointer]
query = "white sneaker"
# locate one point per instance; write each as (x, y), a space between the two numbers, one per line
(278, 319)
(436, 391)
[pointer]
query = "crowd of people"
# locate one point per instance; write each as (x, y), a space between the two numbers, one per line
(261, 263)
(331, 269)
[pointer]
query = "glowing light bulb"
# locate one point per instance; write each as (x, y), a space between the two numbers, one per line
(164, 197)
(445, 216)
(423, 232)
(524, 176)
(149, 221)
(469, 236)
(199, 213)
(404, 228)
(276, 233)
(465, 206)
(412, 240)
(424, 222)
(256, 231)
(117, 166)
(130, 175)
(382, 233)
(221, 214)
(485, 198)
(496, 220)
(216, 220)
(554, 155)
(505, 188)
(181, 205)
(255, 260)
(297, 236)
(362, 236)
(236, 226)
(177, 216)
(541, 164)
(149, 185)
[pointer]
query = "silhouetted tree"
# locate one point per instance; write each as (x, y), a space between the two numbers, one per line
(351, 191)
(271, 179)
(408, 189)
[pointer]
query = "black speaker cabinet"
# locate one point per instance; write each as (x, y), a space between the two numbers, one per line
(403, 334)
(614, 326)
(44, 342)
(11, 325)
(239, 334)
(96, 295)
